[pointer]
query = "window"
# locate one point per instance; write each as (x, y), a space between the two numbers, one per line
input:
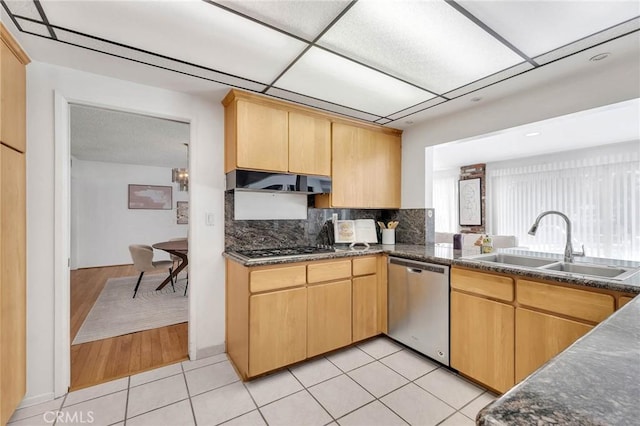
(598, 189)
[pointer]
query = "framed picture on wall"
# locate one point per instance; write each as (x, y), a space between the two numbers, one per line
(469, 202)
(150, 197)
(182, 213)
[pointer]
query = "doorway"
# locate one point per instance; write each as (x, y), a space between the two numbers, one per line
(123, 191)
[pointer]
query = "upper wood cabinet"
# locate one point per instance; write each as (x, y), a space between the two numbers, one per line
(365, 168)
(13, 99)
(309, 144)
(266, 135)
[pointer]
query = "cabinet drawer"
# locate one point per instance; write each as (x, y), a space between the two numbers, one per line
(365, 266)
(495, 286)
(572, 302)
(328, 271)
(272, 279)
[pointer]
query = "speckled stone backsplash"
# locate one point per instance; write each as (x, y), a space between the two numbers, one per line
(258, 234)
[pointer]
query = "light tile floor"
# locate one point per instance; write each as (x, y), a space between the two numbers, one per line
(378, 382)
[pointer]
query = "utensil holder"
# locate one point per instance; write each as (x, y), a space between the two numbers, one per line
(388, 236)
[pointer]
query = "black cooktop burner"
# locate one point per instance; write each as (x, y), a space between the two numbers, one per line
(282, 252)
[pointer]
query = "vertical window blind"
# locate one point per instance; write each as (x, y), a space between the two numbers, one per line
(598, 189)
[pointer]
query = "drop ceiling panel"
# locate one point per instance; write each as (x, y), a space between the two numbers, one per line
(305, 19)
(157, 61)
(33, 27)
(324, 75)
(190, 31)
(24, 8)
(537, 27)
(427, 43)
(319, 103)
(499, 76)
(416, 108)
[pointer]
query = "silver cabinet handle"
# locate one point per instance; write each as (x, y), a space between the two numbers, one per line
(414, 270)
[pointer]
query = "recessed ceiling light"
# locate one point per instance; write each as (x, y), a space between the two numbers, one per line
(600, 56)
(476, 99)
(532, 134)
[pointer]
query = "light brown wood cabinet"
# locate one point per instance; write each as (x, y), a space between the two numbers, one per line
(282, 314)
(13, 225)
(366, 297)
(329, 320)
(309, 144)
(623, 300)
(267, 135)
(540, 337)
(366, 169)
(362, 159)
(277, 329)
(505, 327)
(482, 340)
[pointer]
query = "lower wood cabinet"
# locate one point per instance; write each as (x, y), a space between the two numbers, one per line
(279, 315)
(540, 337)
(504, 327)
(277, 329)
(482, 340)
(365, 307)
(329, 319)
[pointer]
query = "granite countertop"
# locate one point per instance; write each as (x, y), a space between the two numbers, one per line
(446, 255)
(596, 381)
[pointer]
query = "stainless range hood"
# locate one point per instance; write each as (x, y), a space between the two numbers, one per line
(249, 180)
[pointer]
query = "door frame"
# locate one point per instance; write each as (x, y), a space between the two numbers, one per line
(62, 235)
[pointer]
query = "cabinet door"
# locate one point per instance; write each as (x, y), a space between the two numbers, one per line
(277, 329)
(12, 281)
(482, 340)
(309, 144)
(540, 337)
(262, 137)
(329, 317)
(365, 168)
(365, 307)
(13, 101)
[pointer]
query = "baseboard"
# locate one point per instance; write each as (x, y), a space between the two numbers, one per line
(36, 399)
(210, 351)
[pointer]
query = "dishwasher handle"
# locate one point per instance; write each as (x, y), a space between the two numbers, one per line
(418, 267)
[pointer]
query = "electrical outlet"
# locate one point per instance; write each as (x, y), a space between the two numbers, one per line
(210, 219)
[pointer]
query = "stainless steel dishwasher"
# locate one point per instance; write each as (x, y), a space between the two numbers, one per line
(419, 307)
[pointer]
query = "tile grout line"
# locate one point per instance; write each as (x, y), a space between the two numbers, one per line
(254, 402)
(126, 403)
(186, 384)
(304, 388)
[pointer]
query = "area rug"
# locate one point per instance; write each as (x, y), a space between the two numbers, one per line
(116, 312)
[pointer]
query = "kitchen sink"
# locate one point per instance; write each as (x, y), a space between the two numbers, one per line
(617, 273)
(602, 271)
(512, 259)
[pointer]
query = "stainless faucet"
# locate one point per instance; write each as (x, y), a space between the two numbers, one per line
(568, 248)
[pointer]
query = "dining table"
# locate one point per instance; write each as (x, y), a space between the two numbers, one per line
(179, 248)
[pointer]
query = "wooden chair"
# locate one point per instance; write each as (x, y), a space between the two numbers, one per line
(142, 256)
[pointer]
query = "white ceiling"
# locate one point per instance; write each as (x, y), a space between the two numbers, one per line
(596, 127)
(386, 61)
(110, 136)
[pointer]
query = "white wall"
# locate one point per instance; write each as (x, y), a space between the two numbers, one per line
(104, 224)
(602, 85)
(206, 276)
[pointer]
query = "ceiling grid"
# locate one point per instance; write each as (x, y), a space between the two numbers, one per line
(380, 61)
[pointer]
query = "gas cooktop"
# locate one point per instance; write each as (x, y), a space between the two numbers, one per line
(282, 252)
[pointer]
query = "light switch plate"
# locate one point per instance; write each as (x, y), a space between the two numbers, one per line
(210, 220)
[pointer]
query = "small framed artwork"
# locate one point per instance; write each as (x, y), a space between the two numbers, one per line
(182, 213)
(150, 197)
(469, 202)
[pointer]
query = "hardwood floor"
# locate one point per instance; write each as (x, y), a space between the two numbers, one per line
(108, 359)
